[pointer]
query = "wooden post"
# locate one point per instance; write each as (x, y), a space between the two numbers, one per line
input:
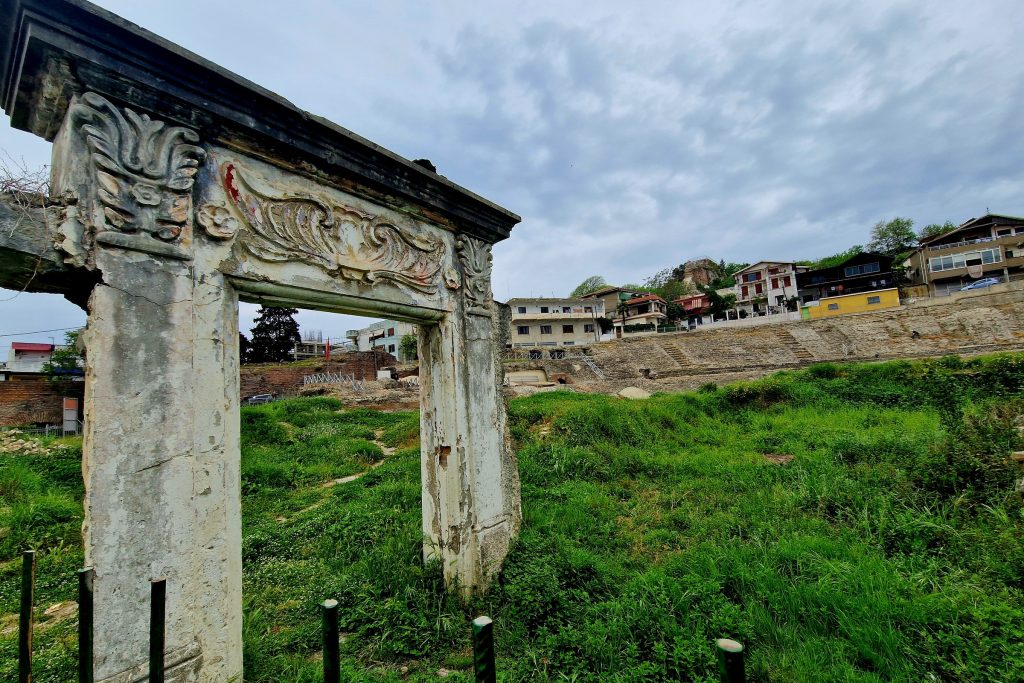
(483, 650)
(85, 625)
(332, 660)
(730, 661)
(157, 617)
(28, 589)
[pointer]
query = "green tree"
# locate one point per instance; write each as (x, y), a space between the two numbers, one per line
(591, 284)
(665, 284)
(244, 348)
(836, 259)
(65, 361)
(274, 335)
(892, 237)
(721, 304)
(728, 276)
(934, 230)
(407, 346)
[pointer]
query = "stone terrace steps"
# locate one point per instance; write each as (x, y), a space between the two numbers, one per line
(787, 339)
(670, 347)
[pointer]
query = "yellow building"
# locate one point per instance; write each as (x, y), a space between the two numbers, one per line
(861, 302)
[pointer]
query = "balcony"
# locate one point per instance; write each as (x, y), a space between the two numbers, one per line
(962, 243)
(555, 316)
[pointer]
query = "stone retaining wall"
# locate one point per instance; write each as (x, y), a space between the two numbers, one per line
(285, 379)
(968, 325)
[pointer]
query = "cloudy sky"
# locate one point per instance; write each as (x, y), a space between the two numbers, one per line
(634, 136)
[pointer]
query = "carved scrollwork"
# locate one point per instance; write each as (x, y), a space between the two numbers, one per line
(143, 172)
(475, 257)
(342, 240)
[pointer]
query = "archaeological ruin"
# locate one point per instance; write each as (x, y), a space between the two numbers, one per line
(178, 190)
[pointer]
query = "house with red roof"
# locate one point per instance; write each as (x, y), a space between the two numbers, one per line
(642, 313)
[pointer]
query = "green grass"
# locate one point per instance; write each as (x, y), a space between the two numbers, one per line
(891, 548)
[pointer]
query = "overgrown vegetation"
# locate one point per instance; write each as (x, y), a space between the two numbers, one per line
(890, 546)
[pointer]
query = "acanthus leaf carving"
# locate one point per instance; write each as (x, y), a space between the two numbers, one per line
(143, 172)
(475, 257)
(341, 240)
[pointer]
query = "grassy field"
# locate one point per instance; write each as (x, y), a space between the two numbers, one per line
(848, 523)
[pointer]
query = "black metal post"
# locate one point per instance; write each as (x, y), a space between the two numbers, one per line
(85, 577)
(730, 661)
(483, 650)
(157, 618)
(28, 590)
(332, 657)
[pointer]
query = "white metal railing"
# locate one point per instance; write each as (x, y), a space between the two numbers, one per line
(334, 378)
(961, 243)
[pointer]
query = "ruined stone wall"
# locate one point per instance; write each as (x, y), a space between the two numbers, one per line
(979, 323)
(285, 379)
(30, 401)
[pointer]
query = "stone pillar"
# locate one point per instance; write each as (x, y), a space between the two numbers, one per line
(161, 453)
(471, 504)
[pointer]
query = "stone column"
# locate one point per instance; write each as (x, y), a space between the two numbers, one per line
(161, 454)
(471, 505)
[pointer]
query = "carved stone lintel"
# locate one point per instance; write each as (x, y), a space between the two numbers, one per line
(475, 257)
(344, 241)
(142, 171)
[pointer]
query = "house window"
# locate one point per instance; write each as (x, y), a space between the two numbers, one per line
(391, 348)
(752, 277)
(523, 329)
(521, 309)
(833, 307)
(566, 329)
(391, 332)
(787, 281)
(1009, 254)
(545, 329)
(1004, 232)
(745, 293)
(874, 300)
(566, 309)
(543, 309)
(588, 328)
(588, 309)
(758, 288)
(954, 261)
(864, 268)
(775, 283)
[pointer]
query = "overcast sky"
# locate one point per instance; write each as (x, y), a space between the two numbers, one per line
(635, 136)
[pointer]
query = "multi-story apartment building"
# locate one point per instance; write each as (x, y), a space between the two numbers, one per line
(860, 284)
(555, 322)
(766, 287)
(611, 298)
(990, 246)
(385, 334)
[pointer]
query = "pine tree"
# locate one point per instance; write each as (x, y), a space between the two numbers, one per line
(244, 349)
(274, 335)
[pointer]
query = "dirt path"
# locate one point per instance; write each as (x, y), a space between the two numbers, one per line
(388, 451)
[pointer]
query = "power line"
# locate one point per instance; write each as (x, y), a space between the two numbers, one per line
(59, 329)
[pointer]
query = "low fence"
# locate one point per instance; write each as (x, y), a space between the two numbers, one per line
(334, 378)
(731, 667)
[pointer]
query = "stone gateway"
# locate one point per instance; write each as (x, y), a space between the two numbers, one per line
(180, 189)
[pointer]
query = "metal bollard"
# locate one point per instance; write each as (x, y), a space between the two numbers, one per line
(157, 620)
(483, 650)
(332, 658)
(730, 661)
(85, 577)
(28, 591)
